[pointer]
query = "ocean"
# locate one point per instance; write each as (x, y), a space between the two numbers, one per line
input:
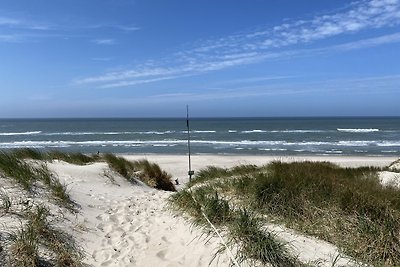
(269, 136)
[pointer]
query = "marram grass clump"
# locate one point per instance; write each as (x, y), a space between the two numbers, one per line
(148, 172)
(17, 169)
(153, 175)
(37, 232)
(345, 206)
(122, 166)
(242, 230)
(73, 158)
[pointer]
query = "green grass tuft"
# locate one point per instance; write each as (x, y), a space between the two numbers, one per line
(151, 174)
(73, 158)
(244, 229)
(60, 243)
(345, 206)
(29, 153)
(24, 247)
(17, 169)
(256, 244)
(6, 202)
(122, 166)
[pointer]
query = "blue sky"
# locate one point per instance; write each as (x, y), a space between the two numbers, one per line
(149, 58)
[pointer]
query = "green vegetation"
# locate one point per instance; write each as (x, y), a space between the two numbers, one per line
(244, 231)
(345, 206)
(149, 173)
(38, 231)
(24, 248)
(73, 158)
(29, 153)
(6, 202)
(18, 169)
(152, 175)
(120, 165)
(13, 165)
(26, 174)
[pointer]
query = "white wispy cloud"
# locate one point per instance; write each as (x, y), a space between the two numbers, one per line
(358, 86)
(102, 58)
(128, 28)
(24, 29)
(11, 38)
(4, 21)
(18, 23)
(386, 39)
(289, 39)
(104, 41)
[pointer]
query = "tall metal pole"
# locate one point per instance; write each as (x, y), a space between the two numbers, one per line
(190, 172)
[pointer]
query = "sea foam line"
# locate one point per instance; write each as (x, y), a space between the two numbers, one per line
(200, 142)
(357, 130)
(21, 133)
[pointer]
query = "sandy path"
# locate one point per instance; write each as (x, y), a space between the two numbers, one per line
(125, 225)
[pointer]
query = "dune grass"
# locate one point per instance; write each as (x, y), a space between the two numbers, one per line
(73, 158)
(153, 175)
(6, 202)
(28, 173)
(61, 244)
(29, 153)
(243, 230)
(149, 173)
(13, 164)
(24, 248)
(346, 206)
(37, 232)
(18, 169)
(120, 165)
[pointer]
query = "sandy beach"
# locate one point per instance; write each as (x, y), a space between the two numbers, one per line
(120, 224)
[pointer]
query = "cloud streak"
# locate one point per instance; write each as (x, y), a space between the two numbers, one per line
(16, 23)
(289, 39)
(357, 86)
(14, 29)
(104, 41)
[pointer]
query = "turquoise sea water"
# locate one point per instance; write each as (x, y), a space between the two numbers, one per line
(271, 136)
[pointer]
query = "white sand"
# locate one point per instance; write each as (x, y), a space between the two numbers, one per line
(389, 178)
(125, 225)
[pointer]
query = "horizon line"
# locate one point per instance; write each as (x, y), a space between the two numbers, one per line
(205, 117)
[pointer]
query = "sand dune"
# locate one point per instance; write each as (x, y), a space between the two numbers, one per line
(125, 225)
(120, 224)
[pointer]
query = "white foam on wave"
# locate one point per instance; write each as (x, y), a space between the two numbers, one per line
(357, 130)
(174, 142)
(106, 133)
(21, 133)
(298, 131)
(285, 131)
(254, 131)
(209, 131)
